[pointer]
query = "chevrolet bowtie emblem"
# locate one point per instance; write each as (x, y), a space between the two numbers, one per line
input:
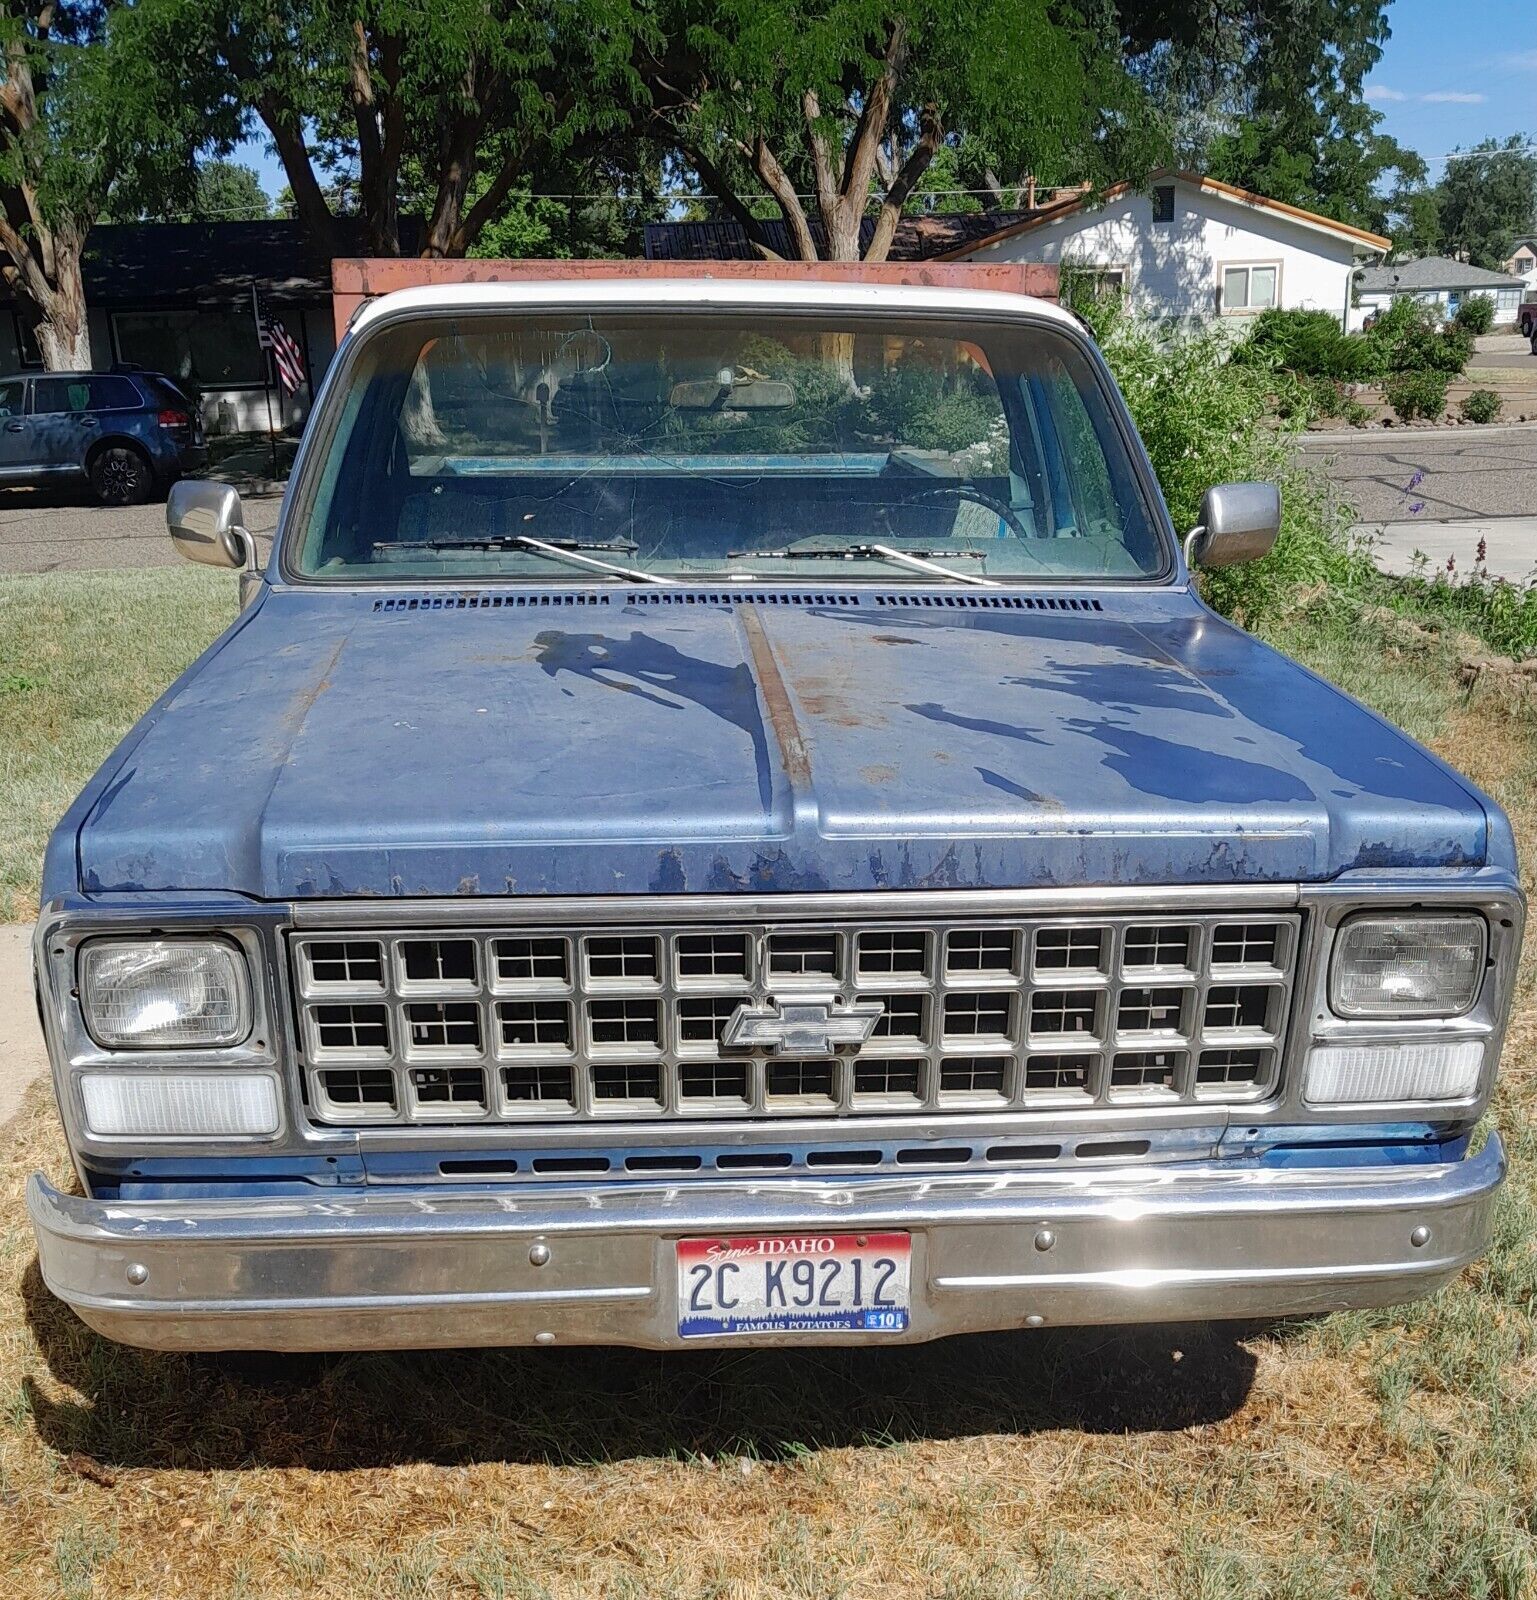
(810, 1026)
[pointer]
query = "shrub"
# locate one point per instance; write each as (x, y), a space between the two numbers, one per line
(1207, 419)
(1483, 405)
(1409, 337)
(1354, 414)
(1309, 343)
(1476, 314)
(1416, 394)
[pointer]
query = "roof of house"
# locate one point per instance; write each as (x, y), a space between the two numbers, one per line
(214, 264)
(921, 238)
(1432, 272)
(1088, 202)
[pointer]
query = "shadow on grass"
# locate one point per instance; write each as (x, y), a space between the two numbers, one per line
(144, 1409)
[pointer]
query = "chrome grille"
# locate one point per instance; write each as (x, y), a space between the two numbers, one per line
(595, 1023)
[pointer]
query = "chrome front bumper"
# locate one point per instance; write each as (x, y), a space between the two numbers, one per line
(382, 1269)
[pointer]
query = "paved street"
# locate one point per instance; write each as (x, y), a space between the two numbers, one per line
(50, 531)
(1465, 472)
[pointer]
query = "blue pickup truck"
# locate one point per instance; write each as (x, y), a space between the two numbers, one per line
(724, 819)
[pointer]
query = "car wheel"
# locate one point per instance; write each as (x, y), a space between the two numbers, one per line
(121, 476)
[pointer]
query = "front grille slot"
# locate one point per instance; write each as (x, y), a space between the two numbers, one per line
(1039, 1015)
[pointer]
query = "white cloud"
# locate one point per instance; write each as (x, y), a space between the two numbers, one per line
(1378, 91)
(1524, 59)
(1451, 97)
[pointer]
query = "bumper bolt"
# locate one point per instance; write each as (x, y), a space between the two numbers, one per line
(544, 1338)
(538, 1254)
(1035, 1320)
(138, 1273)
(1420, 1237)
(1045, 1239)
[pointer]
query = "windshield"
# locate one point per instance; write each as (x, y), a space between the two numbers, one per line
(680, 446)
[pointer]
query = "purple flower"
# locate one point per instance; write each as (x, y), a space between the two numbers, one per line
(1417, 479)
(1415, 507)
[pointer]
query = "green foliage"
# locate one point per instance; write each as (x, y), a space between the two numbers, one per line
(1416, 394)
(420, 108)
(1206, 419)
(1268, 96)
(916, 405)
(1486, 197)
(1410, 337)
(1483, 405)
(1476, 314)
(1310, 343)
(229, 192)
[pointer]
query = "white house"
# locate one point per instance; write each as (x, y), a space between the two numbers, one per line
(1522, 262)
(1439, 281)
(1192, 247)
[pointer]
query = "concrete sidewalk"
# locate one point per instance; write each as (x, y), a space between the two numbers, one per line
(1510, 545)
(23, 1058)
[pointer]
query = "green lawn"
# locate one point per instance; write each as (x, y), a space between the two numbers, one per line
(81, 656)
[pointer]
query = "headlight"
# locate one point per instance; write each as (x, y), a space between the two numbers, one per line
(154, 994)
(1417, 964)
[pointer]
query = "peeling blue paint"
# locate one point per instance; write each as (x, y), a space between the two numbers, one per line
(322, 751)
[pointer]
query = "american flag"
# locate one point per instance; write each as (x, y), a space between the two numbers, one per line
(286, 354)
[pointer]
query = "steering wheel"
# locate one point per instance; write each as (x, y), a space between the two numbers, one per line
(969, 491)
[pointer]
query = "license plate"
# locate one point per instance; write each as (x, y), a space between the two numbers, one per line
(794, 1283)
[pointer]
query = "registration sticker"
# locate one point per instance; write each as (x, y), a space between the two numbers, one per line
(795, 1283)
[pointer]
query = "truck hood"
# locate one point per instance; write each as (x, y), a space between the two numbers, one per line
(341, 744)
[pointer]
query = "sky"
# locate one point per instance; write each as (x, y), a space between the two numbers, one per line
(1452, 74)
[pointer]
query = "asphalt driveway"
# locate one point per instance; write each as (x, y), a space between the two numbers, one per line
(49, 531)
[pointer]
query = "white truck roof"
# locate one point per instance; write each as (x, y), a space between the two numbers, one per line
(717, 293)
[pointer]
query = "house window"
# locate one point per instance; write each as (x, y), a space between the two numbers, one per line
(1525, 263)
(28, 352)
(1163, 202)
(1083, 284)
(195, 349)
(1250, 288)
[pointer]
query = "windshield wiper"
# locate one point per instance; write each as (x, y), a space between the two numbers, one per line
(567, 550)
(913, 559)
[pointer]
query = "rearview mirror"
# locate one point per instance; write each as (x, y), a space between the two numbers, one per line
(733, 390)
(1239, 522)
(207, 524)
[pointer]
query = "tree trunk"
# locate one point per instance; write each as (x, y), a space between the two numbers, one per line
(54, 292)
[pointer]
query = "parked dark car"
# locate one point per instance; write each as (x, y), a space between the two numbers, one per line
(131, 434)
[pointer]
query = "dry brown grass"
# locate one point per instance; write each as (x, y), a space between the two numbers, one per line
(1389, 1454)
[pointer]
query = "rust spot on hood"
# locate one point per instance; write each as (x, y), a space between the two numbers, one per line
(776, 701)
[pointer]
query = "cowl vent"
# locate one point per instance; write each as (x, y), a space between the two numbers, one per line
(736, 597)
(803, 599)
(497, 600)
(991, 602)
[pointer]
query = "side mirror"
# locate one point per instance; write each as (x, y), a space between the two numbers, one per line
(207, 524)
(1239, 522)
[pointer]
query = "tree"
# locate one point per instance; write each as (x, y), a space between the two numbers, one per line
(76, 135)
(47, 191)
(1268, 96)
(462, 95)
(1486, 197)
(229, 192)
(838, 109)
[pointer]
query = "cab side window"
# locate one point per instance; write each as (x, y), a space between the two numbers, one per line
(12, 399)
